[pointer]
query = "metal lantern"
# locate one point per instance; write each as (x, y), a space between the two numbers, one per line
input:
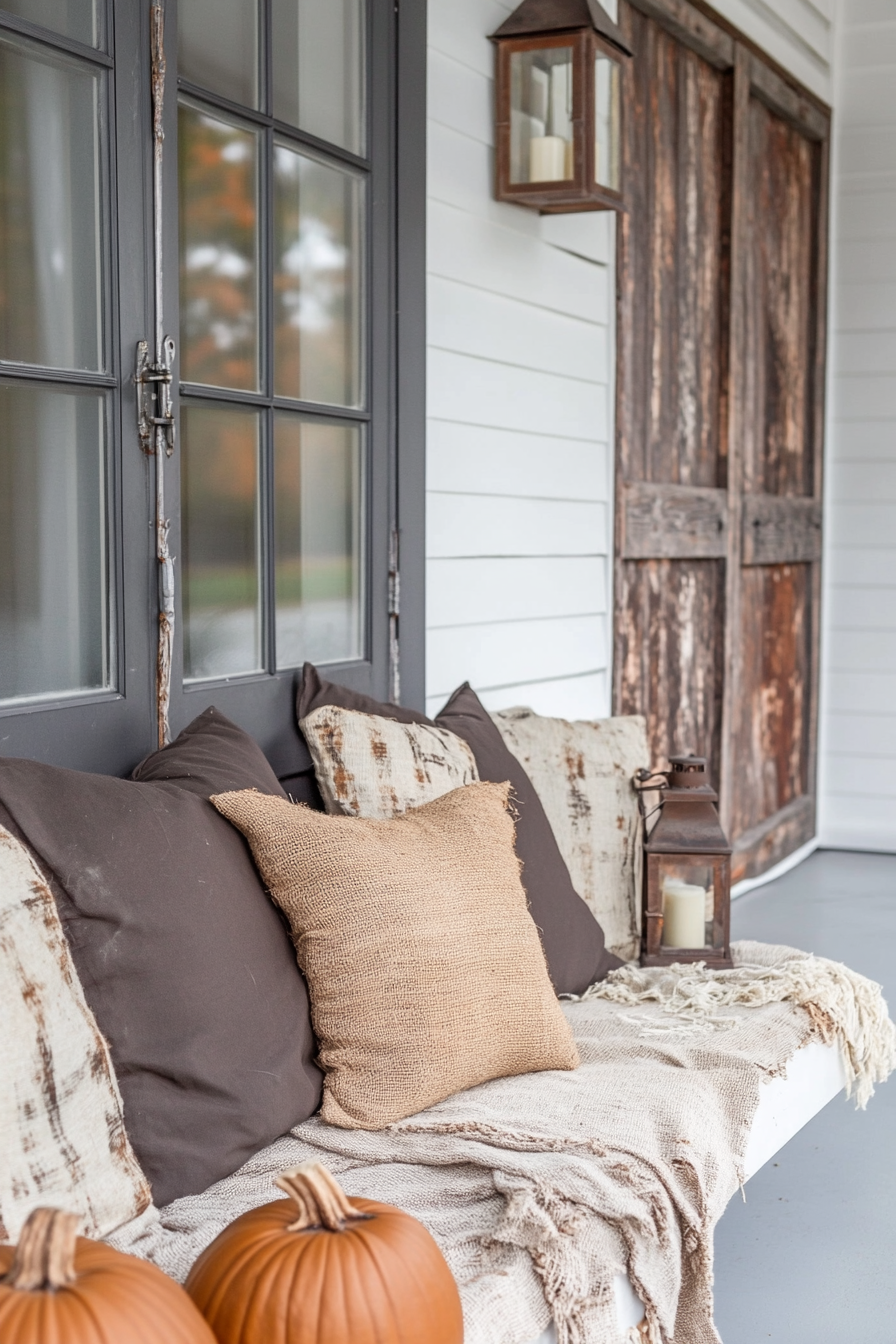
(687, 870)
(559, 107)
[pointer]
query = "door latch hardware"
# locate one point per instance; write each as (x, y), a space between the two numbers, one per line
(155, 410)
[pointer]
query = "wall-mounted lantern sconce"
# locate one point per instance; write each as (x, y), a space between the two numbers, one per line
(687, 870)
(559, 107)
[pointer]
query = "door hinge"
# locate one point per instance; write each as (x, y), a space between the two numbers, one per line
(155, 410)
(394, 576)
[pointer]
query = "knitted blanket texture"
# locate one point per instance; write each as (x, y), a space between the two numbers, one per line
(541, 1188)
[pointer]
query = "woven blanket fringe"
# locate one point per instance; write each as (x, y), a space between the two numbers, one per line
(843, 1006)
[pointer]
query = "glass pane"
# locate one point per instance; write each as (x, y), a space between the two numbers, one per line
(80, 19)
(318, 481)
(220, 541)
(54, 594)
(218, 251)
(319, 68)
(218, 47)
(51, 296)
(606, 110)
(317, 280)
(541, 145)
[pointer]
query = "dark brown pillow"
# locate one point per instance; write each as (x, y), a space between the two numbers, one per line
(184, 959)
(315, 692)
(572, 938)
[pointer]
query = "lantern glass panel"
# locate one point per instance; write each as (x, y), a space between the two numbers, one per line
(607, 119)
(541, 103)
(688, 894)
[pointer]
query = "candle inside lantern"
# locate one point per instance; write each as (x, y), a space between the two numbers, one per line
(547, 158)
(684, 914)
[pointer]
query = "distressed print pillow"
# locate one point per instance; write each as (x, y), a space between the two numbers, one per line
(582, 772)
(368, 766)
(62, 1135)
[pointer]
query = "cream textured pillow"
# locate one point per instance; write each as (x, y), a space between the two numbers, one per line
(62, 1136)
(582, 772)
(425, 969)
(367, 766)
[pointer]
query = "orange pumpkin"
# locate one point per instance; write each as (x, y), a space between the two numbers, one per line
(320, 1268)
(59, 1286)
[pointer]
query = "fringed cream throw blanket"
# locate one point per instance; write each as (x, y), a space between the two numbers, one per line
(540, 1189)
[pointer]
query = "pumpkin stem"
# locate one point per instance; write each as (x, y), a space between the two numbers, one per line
(319, 1198)
(45, 1256)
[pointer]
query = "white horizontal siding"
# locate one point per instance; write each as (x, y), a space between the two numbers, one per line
(869, 441)
(494, 256)
(467, 320)
(475, 525)
(489, 590)
(530, 651)
(474, 391)
(798, 34)
(859, 821)
(858, 739)
(860, 649)
(499, 461)
(571, 697)
(865, 735)
(519, 376)
(856, 606)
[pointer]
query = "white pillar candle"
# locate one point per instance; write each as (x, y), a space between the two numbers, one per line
(547, 158)
(684, 914)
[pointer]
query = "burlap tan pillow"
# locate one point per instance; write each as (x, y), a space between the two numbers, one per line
(368, 766)
(426, 971)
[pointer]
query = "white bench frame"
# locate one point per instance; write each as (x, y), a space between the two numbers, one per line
(814, 1076)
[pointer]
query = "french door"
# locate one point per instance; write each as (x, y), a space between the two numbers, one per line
(210, 260)
(722, 309)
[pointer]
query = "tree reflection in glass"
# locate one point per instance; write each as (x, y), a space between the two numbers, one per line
(317, 280)
(220, 541)
(218, 251)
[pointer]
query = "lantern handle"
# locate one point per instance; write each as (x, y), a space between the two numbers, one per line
(649, 781)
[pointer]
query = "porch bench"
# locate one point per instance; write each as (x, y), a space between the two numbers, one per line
(518, 1165)
(392, 1167)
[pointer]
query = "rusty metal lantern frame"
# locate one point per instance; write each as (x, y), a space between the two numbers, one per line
(584, 26)
(687, 832)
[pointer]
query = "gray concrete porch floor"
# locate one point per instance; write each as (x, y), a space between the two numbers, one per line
(811, 1257)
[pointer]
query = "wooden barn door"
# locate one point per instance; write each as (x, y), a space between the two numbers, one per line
(721, 308)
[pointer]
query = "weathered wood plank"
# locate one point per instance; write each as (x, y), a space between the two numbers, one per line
(788, 102)
(773, 839)
(673, 262)
(673, 522)
(733, 441)
(694, 29)
(822, 209)
(780, 530)
(777, 644)
(780, 299)
(668, 653)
